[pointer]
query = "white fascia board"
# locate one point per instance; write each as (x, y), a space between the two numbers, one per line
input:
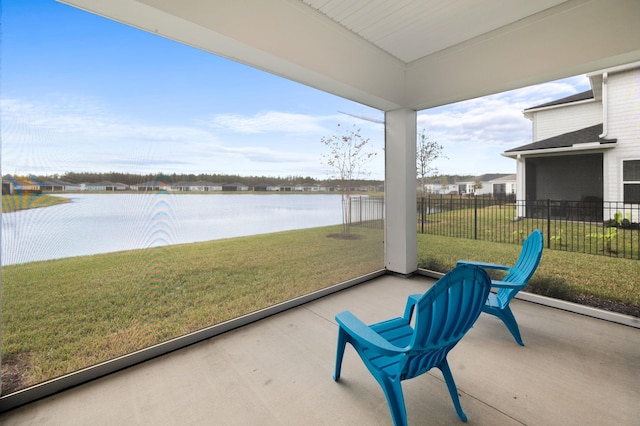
(570, 39)
(616, 69)
(591, 146)
(285, 38)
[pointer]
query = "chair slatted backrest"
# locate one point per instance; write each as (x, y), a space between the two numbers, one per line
(525, 266)
(444, 314)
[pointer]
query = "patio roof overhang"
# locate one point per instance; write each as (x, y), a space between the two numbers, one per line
(392, 55)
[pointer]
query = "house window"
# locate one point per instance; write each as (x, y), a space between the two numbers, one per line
(631, 181)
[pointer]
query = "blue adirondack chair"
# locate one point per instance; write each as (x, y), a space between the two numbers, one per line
(516, 279)
(393, 350)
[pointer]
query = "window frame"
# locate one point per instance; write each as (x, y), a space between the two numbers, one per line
(632, 182)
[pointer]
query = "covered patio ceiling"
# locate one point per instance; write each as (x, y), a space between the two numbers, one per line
(399, 54)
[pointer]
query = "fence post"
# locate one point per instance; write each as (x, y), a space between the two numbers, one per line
(422, 213)
(548, 223)
(475, 217)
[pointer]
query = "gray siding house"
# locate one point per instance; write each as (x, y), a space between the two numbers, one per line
(586, 147)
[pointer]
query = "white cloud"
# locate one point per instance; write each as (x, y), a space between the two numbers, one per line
(76, 136)
(271, 121)
(474, 133)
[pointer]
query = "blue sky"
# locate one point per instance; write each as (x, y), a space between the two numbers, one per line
(83, 93)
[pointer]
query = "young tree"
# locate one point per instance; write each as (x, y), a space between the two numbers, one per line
(477, 184)
(345, 160)
(427, 152)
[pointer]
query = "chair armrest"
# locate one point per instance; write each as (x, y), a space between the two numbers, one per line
(505, 284)
(365, 336)
(483, 265)
(411, 303)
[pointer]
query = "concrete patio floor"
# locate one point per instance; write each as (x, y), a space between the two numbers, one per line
(574, 370)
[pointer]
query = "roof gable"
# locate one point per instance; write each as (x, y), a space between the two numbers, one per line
(492, 176)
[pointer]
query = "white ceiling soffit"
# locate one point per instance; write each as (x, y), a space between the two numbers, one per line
(412, 29)
(392, 54)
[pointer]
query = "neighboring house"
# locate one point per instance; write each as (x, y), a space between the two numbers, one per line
(74, 187)
(17, 184)
(504, 186)
(307, 187)
(494, 184)
(11, 185)
(235, 187)
(185, 186)
(212, 186)
(266, 187)
(154, 185)
(7, 187)
(196, 186)
(440, 187)
(586, 147)
(103, 186)
(49, 184)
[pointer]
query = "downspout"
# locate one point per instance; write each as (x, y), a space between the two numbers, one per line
(605, 125)
(605, 106)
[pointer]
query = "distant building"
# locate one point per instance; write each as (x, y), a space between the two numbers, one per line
(196, 186)
(266, 188)
(103, 186)
(235, 187)
(17, 185)
(494, 184)
(154, 185)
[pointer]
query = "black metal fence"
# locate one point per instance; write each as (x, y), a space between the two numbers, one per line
(367, 211)
(587, 226)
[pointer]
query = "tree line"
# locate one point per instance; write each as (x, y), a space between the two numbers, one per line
(136, 178)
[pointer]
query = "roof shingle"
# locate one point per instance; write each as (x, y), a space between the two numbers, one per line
(582, 96)
(587, 135)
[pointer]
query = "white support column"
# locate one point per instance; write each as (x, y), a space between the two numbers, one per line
(521, 187)
(400, 191)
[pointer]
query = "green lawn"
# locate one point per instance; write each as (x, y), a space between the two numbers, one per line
(564, 275)
(62, 315)
(12, 203)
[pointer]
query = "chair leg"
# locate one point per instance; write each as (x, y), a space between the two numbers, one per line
(342, 343)
(393, 391)
(510, 321)
(453, 390)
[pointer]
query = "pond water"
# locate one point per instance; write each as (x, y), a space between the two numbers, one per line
(101, 223)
